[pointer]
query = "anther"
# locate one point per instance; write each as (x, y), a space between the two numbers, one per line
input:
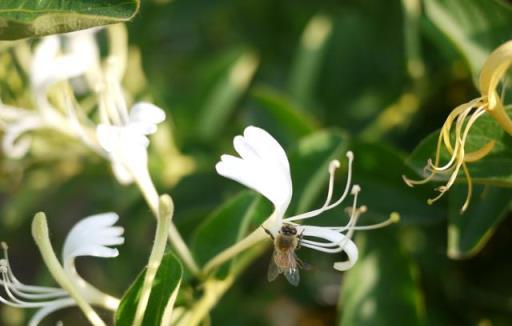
(333, 166)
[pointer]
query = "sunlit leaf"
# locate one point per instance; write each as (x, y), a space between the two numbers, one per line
(167, 281)
(381, 289)
(289, 116)
(19, 18)
(474, 27)
(468, 233)
(226, 93)
(309, 58)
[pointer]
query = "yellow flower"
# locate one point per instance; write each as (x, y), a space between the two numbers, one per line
(460, 121)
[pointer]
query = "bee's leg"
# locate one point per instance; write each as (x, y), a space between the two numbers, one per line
(302, 264)
(268, 232)
(301, 234)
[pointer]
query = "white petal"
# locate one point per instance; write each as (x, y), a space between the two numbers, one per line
(50, 66)
(107, 136)
(266, 146)
(147, 116)
(122, 175)
(335, 242)
(263, 166)
(91, 237)
(54, 306)
(15, 142)
(259, 176)
(41, 65)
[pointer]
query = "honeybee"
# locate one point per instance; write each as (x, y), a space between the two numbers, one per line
(284, 259)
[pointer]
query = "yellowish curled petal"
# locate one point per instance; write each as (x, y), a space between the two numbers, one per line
(493, 71)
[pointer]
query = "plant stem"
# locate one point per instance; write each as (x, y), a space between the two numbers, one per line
(166, 210)
(249, 241)
(41, 237)
(150, 194)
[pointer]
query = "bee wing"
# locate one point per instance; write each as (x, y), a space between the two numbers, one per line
(273, 269)
(292, 275)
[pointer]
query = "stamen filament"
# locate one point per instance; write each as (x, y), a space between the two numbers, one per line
(327, 205)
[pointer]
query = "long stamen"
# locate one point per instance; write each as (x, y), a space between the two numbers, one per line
(459, 114)
(355, 212)
(460, 160)
(327, 205)
(23, 287)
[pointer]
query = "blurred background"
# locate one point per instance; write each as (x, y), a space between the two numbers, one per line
(323, 77)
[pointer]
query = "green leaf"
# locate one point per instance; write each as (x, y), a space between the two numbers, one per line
(493, 169)
(381, 288)
(226, 93)
(474, 27)
(468, 233)
(309, 58)
(379, 169)
(167, 281)
(228, 224)
(309, 162)
(287, 114)
(20, 19)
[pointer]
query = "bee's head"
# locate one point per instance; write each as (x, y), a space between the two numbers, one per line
(288, 229)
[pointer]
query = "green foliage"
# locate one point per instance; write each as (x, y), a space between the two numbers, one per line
(167, 281)
(21, 18)
(382, 288)
(474, 27)
(378, 169)
(468, 233)
(309, 162)
(228, 224)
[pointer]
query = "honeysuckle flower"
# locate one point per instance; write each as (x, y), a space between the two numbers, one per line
(263, 166)
(464, 117)
(58, 58)
(123, 133)
(55, 59)
(92, 236)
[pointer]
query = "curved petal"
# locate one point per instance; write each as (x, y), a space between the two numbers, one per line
(48, 309)
(107, 136)
(262, 166)
(50, 66)
(122, 175)
(266, 147)
(41, 66)
(335, 242)
(92, 236)
(15, 142)
(146, 116)
(259, 176)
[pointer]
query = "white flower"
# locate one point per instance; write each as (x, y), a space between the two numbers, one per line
(263, 166)
(122, 133)
(92, 236)
(58, 58)
(55, 58)
(127, 143)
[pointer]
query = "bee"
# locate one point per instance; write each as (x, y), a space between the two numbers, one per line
(284, 259)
